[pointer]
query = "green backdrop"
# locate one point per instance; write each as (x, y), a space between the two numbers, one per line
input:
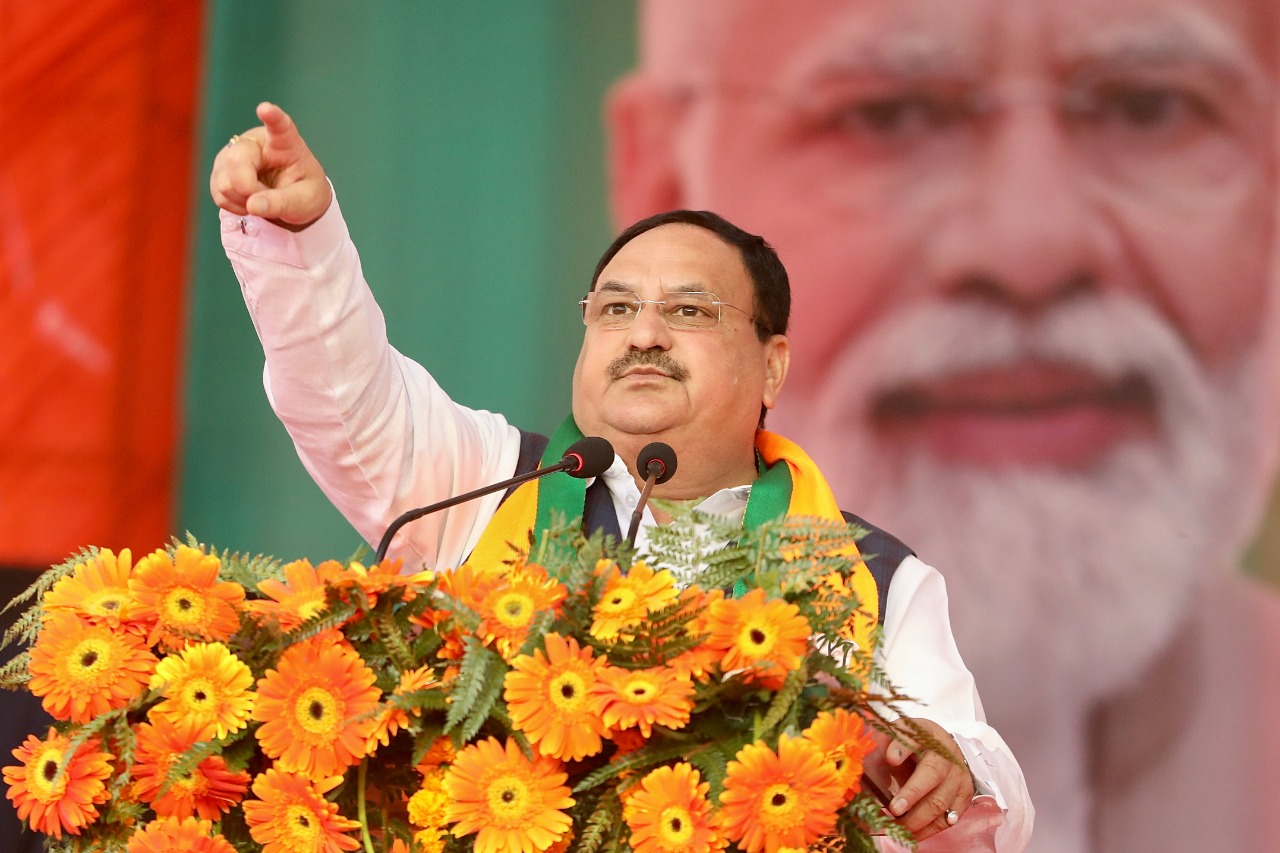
(465, 143)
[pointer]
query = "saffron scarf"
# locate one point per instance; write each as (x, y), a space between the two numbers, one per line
(790, 485)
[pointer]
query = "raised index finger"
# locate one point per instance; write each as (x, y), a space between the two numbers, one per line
(281, 131)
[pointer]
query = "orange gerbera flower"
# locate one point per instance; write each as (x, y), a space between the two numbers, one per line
(784, 798)
(50, 802)
(697, 663)
(766, 638)
(510, 604)
(626, 741)
(702, 661)
(167, 835)
(508, 801)
(440, 752)
(181, 597)
(300, 596)
(391, 719)
(670, 813)
(208, 791)
(291, 815)
(563, 845)
(386, 577)
(97, 591)
(205, 683)
(659, 696)
(549, 698)
(467, 584)
(627, 599)
(83, 670)
(316, 707)
(845, 739)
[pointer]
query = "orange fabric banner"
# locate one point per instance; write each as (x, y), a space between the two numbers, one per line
(97, 107)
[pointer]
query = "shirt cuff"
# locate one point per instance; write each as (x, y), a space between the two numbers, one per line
(258, 237)
(981, 761)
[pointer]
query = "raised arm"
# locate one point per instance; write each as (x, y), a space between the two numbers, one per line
(371, 426)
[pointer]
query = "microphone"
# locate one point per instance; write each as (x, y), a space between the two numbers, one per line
(658, 462)
(586, 457)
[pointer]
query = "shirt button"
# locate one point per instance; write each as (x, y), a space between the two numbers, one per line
(631, 500)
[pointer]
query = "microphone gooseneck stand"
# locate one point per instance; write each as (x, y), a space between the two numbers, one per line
(586, 457)
(658, 462)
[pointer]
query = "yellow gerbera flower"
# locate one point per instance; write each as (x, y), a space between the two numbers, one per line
(627, 599)
(658, 696)
(508, 801)
(54, 803)
(97, 591)
(207, 684)
(182, 598)
(299, 597)
(549, 699)
(670, 813)
(784, 798)
(83, 670)
(291, 814)
(316, 708)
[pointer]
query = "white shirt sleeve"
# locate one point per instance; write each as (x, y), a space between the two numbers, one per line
(380, 437)
(371, 426)
(919, 655)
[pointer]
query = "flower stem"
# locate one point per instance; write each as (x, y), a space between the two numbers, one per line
(360, 808)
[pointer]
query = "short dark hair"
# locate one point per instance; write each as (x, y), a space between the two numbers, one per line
(768, 275)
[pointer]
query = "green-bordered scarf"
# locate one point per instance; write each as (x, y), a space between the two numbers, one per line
(790, 484)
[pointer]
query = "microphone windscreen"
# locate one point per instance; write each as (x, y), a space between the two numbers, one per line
(663, 459)
(593, 454)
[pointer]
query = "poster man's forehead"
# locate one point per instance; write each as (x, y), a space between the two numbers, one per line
(704, 43)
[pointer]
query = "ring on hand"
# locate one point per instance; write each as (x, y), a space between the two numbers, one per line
(237, 137)
(953, 817)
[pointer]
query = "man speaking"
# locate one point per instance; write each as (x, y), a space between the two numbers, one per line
(684, 343)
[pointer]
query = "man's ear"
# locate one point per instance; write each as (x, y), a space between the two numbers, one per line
(642, 121)
(777, 363)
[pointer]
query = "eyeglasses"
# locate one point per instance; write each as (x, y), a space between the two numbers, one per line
(618, 309)
(1167, 140)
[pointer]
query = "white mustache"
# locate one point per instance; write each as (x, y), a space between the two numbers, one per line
(1111, 335)
(1084, 547)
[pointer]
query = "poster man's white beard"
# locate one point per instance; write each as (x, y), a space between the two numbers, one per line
(1061, 581)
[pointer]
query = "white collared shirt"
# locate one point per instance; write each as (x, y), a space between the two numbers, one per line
(379, 436)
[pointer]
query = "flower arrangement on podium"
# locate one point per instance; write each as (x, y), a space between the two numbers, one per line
(579, 697)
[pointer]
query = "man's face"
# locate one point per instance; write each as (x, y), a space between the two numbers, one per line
(1029, 245)
(648, 380)
(1010, 153)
